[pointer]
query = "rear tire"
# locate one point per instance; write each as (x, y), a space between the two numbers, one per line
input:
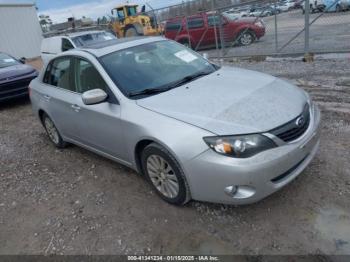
(52, 132)
(165, 175)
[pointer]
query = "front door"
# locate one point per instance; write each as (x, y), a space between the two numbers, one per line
(100, 125)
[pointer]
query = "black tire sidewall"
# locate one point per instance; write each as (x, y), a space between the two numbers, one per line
(155, 149)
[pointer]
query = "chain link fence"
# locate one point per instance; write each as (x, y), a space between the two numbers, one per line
(228, 28)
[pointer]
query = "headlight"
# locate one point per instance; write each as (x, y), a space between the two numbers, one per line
(243, 146)
(259, 24)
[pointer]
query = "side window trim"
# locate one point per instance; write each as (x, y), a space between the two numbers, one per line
(49, 68)
(195, 22)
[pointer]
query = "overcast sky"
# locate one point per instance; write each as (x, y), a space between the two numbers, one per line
(60, 10)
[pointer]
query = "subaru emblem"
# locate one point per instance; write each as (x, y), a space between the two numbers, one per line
(300, 121)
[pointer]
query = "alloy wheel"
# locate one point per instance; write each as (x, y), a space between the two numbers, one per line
(162, 176)
(246, 38)
(51, 130)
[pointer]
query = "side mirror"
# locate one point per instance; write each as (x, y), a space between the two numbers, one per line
(94, 96)
(22, 60)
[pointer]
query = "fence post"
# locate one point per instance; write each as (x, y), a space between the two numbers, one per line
(276, 31)
(215, 27)
(307, 27)
(221, 35)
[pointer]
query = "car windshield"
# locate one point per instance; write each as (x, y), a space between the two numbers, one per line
(92, 38)
(6, 60)
(231, 17)
(154, 66)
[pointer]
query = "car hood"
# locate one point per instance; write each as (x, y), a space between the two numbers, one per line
(16, 71)
(231, 101)
(248, 20)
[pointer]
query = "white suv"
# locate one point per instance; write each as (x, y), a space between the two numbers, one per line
(55, 45)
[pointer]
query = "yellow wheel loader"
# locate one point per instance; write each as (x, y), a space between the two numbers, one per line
(128, 22)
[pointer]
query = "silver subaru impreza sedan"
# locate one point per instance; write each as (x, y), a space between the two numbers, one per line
(195, 130)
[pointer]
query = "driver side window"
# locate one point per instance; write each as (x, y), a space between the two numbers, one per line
(87, 77)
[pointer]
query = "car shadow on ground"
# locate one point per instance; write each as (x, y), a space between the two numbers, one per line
(9, 104)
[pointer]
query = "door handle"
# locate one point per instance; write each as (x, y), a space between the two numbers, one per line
(75, 107)
(47, 98)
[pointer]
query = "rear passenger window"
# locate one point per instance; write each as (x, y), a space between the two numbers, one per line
(173, 26)
(87, 77)
(58, 74)
(193, 23)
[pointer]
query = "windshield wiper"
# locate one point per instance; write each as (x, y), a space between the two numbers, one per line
(151, 91)
(148, 91)
(187, 79)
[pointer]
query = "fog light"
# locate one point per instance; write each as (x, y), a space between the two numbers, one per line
(231, 190)
(240, 192)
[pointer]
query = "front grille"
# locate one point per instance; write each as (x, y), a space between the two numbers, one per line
(10, 86)
(295, 128)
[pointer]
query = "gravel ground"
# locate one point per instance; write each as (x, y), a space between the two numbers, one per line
(74, 202)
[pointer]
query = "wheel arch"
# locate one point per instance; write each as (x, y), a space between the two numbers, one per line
(41, 113)
(143, 143)
(245, 28)
(184, 38)
(139, 147)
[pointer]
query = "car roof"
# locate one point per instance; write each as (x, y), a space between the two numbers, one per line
(110, 46)
(75, 34)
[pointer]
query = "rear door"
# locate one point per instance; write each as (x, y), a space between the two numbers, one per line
(197, 31)
(213, 34)
(173, 29)
(60, 97)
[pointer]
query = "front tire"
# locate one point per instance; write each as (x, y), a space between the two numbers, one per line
(165, 175)
(246, 38)
(52, 132)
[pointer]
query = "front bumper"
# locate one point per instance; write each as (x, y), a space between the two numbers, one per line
(210, 174)
(16, 88)
(260, 32)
